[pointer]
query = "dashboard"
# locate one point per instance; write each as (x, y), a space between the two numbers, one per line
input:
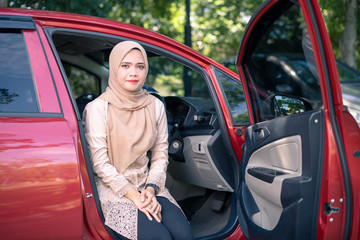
(197, 153)
(191, 115)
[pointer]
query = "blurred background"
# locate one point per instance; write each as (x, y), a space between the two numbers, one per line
(213, 28)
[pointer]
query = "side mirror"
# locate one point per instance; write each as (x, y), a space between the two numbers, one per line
(281, 105)
(284, 106)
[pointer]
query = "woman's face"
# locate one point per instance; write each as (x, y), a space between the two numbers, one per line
(132, 73)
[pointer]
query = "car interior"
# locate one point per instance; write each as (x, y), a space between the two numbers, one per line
(200, 171)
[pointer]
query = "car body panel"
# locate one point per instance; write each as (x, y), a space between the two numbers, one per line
(343, 126)
(39, 179)
(351, 142)
(46, 92)
(336, 156)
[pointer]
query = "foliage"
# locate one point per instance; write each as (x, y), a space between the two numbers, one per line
(98, 8)
(334, 12)
(6, 97)
(165, 76)
(79, 79)
(163, 16)
(217, 26)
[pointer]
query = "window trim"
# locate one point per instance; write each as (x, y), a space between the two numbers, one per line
(17, 22)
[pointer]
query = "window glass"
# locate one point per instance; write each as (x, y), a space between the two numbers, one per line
(347, 74)
(85, 86)
(283, 63)
(17, 93)
(170, 78)
(235, 98)
(81, 81)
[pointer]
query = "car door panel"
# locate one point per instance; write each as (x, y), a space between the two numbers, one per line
(268, 167)
(315, 202)
(281, 176)
(41, 181)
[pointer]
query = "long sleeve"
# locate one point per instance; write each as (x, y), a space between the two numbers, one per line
(159, 151)
(95, 133)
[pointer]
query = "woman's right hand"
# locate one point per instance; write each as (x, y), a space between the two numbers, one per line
(144, 204)
(151, 203)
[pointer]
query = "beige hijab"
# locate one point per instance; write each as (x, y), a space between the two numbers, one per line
(131, 115)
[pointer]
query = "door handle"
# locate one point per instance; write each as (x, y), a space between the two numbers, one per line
(260, 134)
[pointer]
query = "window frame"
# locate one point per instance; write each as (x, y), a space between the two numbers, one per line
(215, 70)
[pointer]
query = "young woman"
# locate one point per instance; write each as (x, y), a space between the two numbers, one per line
(121, 126)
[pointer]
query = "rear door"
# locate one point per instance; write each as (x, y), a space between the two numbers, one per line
(294, 179)
(39, 172)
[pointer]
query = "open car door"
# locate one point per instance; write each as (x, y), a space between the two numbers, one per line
(294, 174)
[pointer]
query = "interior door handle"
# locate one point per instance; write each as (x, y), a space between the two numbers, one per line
(260, 134)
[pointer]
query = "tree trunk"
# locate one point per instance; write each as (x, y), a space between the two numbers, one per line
(347, 43)
(3, 3)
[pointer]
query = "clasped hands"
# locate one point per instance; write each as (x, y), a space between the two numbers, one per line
(146, 202)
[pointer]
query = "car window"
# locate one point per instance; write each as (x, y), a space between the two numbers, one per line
(85, 55)
(82, 82)
(282, 63)
(235, 98)
(347, 74)
(302, 69)
(85, 86)
(171, 78)
(17, 92)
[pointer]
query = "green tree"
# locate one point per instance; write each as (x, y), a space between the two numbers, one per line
(163, 16)
(341, 21)
(348, 38)
(217, 26)
(98, 8)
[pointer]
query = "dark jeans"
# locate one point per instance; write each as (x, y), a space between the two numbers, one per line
(174, 224)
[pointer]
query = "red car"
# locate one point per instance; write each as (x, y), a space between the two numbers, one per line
(245, 161)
